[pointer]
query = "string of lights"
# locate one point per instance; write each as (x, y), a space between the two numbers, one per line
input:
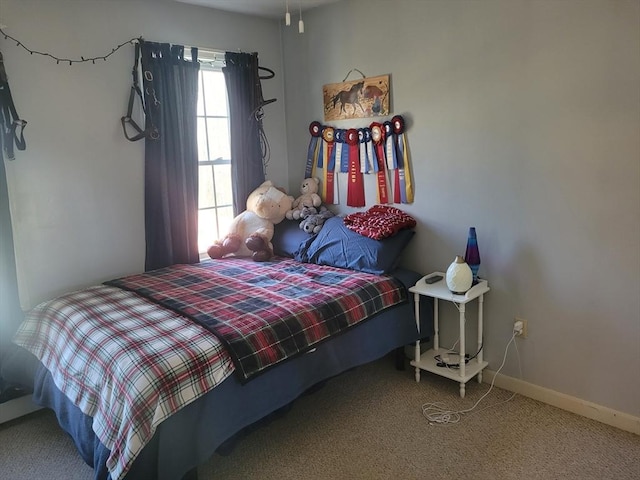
(70, 60)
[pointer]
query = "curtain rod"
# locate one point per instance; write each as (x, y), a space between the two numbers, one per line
(211, 54)
(206, 54)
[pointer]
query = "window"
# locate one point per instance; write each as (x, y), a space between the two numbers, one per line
(215, 199)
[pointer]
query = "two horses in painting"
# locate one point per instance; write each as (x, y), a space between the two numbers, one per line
(368, 97)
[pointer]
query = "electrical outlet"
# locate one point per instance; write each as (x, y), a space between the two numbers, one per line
(523, 329)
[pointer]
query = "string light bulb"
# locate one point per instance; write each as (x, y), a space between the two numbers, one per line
(300, 22)
(71, 61)
(287, 16)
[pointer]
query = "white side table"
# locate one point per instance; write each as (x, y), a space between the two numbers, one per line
(426, 361)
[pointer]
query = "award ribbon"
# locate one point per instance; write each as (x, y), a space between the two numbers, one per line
(369, 145)
(364, 161)
(338, 135)
(355, 183)
(392, 161)
(403, 171)
(315, 129)
(377, 136)
(330, 163)
(341, 154)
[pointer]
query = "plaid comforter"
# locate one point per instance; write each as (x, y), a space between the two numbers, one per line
(123, 361)
(130, 364)
(267, 312)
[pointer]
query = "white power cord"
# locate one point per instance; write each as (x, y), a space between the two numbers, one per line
(437, 414)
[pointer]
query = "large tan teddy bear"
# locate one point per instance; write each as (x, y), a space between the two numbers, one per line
(309, 198)
(250, 233)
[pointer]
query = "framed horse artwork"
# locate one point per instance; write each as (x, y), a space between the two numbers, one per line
(366, 97)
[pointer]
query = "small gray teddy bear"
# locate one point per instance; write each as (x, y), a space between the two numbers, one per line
(313, 222)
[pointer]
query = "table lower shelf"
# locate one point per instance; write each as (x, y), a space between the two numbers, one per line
(429, 364)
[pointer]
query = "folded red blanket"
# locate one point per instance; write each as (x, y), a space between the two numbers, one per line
(379, 222)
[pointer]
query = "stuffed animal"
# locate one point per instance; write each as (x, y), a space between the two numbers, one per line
(306, 211)
(313, 223)
(309, 198)
(250, 233)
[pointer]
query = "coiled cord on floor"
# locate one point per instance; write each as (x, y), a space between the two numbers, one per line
(438, 414)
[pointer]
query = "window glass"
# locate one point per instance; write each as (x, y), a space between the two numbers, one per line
(214, 103)
(206, 193)
(207, 228)
(224, 195)
(218, 135)
(215, 198)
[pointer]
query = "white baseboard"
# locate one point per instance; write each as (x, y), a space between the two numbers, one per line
(621, 420)
(16, 408)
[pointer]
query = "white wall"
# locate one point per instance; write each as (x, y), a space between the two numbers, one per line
(76, 193)
(524, 122)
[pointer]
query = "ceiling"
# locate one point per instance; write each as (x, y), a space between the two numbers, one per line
(261, 8)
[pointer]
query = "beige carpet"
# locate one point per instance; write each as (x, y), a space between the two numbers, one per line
(368, 424)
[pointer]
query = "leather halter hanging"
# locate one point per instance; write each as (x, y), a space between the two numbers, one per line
(151, 131)
(257, 111)
(10, 122)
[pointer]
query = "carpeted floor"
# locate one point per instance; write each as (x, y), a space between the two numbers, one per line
(368, 424)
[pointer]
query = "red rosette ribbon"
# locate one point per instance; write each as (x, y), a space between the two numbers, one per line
(355, 184)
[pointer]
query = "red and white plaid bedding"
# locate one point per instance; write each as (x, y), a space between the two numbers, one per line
(265, 313)
(124, 361)
(130, 363)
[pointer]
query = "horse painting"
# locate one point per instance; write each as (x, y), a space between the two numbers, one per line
(362, 98)
(347, 96)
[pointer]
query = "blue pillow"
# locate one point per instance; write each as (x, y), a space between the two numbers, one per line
(287, 237)
(335, 245)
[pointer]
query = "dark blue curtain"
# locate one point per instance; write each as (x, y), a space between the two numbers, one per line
(245, 101)
(10, 313)
(171, 160)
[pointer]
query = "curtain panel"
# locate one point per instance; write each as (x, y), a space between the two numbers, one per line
(10, 312)
(244, 94)
(171, 160)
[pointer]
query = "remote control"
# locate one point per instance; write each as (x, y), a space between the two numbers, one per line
(434, 279)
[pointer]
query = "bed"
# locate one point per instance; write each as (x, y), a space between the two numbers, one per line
(149, 381)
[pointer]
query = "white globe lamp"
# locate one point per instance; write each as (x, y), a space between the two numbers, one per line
(459, 276)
